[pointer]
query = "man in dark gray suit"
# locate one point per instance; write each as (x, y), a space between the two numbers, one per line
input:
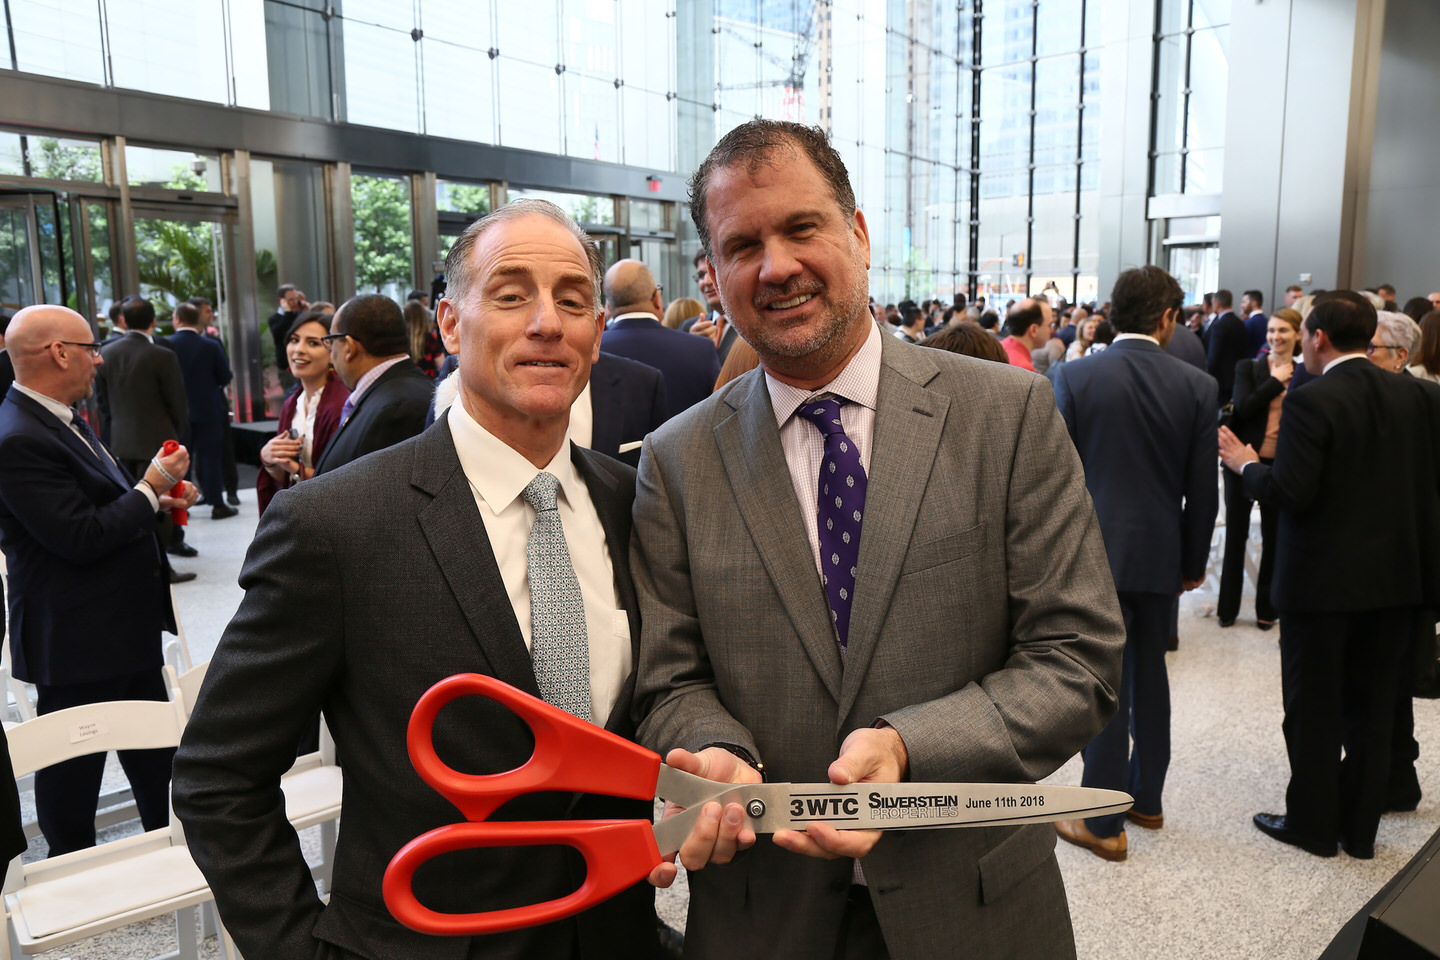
(141, 390)
(971, 633)
(1144, 425)
(367, 585)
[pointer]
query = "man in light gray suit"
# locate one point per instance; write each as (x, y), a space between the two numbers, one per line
(965, 628)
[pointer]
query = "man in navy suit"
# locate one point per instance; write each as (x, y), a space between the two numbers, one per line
(206, 370)
(633, 308)
(1252, 304)
(1226, 343)
(90, 587)
(1144, 425)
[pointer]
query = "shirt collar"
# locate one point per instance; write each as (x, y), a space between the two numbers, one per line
(1135, 336)
(858, 382)
(497, 471)
(374, 373)
(644, 314)
(143, 333)
(1341, 359)
(49, 403)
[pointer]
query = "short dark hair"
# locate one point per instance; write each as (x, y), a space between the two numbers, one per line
(1022, 318)
(308, 316)
(1347, 318)
(284, 289)
(415, 295)
(755, 143)
(949, 314)
(1104, 333)
(114, 312)
(1224, 298)
(375, 322)
(989, 320)
(910, 314)
(1256, 297)
(139, 313)
(1416, 308)
(186, 313)
(198, 302)
(1387, 286)
(969, 339)
(959, 301)
(1296, 287)
(1141, 296)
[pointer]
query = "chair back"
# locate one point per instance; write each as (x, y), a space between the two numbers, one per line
(185, 687)
(94, 728)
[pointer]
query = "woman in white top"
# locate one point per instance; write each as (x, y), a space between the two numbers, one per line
(1084, 336)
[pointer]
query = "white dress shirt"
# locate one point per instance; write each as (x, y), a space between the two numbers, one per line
(498, 475)
(804, 446)
(582, 419)
(67, 417)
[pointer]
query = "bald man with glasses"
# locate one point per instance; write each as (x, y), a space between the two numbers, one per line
(89, 581)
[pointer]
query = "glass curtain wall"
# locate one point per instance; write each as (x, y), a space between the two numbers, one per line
(1192, 71)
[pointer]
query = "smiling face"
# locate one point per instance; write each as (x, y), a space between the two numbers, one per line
(790, 266)
(1281, 336)
(306, 353)
(527, 331)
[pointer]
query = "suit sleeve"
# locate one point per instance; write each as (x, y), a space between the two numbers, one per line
(1253, 399)
(1064, 401)
(676, 701)
(221, 364)
(659, 404)
(1057, 686)
(1293, 480)
(172, 391)
(266, 681)
(1202, 497)
(41, 491)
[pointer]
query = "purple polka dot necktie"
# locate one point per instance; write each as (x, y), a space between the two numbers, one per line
(841, 509)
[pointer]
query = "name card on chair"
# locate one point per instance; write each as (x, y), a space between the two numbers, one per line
(81, 732)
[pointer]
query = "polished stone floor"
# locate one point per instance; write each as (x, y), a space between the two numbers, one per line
(1208, 885)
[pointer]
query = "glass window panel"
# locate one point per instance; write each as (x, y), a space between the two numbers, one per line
(155, 46)
(1170, 87)
(529, 32)
(592, 122)
(648, 216)
(1211, 13)
(649, 129)
(1093, 36)
(102, 274)
(451, 196)
(1057, 91)
(380, 88)
(846, 75)
(646, 37)
(1059, 26)
(1053, 247)
(1006, 32)
(1003, 209)
(172, 169)
(1174, 15)
(380, 13)
(57, 38)
(383, 237)
(12, 158)
(1204, 171)
(17, 287)
(587, 38)
(529, 106)
(1005, 117)
(54, 159)
(584, 208)
(251, 61)
(1167, 174)
(459, 91)
(1209, 73)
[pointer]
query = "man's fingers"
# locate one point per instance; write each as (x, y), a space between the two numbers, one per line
(664, 875)
(824, 842)
(696, 850)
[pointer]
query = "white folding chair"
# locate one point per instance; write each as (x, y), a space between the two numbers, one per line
(177, 651)
(312, 787)
(88, 892)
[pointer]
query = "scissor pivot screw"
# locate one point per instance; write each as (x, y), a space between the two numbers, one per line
(756, 808)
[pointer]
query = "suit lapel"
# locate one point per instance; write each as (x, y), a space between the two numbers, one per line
(614, 513)
(760, 481)
(78, 447)
(456, 534)
(909, 421)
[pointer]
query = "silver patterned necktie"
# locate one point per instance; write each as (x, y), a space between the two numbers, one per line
(559, 642)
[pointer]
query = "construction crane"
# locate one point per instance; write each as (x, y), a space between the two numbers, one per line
(794, 80)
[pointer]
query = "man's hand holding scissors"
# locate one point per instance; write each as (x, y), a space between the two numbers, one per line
(720, 833)
(868, 755)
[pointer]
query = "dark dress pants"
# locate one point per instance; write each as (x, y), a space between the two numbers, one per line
(1237, 532)
(227, 460)
(1144, 715)
(206, 461)
(1404, 789)
(1339, 675)
(66, 794)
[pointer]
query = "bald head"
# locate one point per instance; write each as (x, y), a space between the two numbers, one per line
(630, 288)
(42, 341)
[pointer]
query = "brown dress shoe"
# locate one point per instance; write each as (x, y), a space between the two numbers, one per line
(1150, 821)
(1108, 848)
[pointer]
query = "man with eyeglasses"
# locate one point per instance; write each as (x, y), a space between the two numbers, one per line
(389, 396)
(713, 323)
(89, 586)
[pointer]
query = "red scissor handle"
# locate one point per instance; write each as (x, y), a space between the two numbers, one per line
(618, 854)
(179, 514)
(570, 753)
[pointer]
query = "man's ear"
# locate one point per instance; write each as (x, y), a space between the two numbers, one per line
(447, 318)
